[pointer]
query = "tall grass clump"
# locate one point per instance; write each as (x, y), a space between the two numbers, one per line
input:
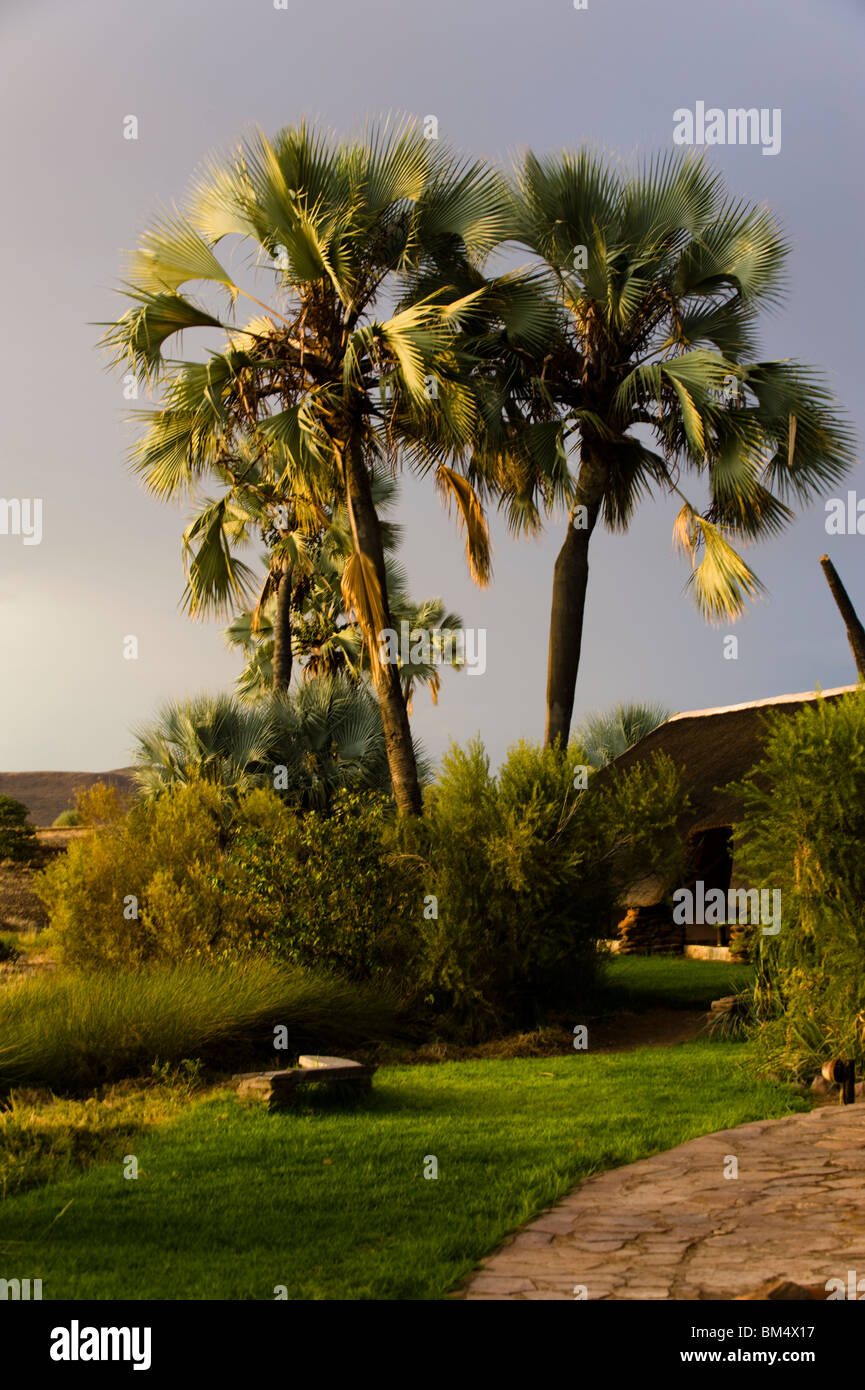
(71, 1032)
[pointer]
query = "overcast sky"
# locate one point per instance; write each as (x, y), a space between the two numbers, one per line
(499, 75)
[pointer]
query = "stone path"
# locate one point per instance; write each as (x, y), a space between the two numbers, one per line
(673, 1227)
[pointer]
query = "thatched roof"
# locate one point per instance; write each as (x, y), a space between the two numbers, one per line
(713, 747)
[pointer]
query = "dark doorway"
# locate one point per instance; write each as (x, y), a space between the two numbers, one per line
(711, 860)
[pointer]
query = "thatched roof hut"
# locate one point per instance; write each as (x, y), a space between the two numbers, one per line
(713, 747)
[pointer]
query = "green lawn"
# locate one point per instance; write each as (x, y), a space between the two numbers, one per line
(671, 982)
(331, 1201)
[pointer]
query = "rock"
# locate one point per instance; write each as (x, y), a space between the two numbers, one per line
(785, 1291)
(821, 1087)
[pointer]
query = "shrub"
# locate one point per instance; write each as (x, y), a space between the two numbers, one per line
(522, 869)
(99, 804)
(17, 836)
(9, 949)
(332, 889)
(71, 1032)
(153, 884)
(67, 818)
(803, 832)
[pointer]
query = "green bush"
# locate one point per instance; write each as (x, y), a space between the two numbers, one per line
(9, 949)
(803, 832)
(154, 883)
(485, 911)
(71, 1032)
(332, 889)
(67, 818)
(522, 870)
(17, 837)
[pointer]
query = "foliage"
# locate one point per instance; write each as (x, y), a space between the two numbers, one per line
(658, 275)
(152, 884)
(17, 835)
(72, 1031)
(607, 735)
(327, 639)
(9, 948)
(67, 818)
(308, 744)
(637, 817)
(99, 804)
(802, 832)
(521, 868)
(334, 894)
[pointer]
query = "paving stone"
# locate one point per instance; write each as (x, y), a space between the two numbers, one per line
(791, 1214)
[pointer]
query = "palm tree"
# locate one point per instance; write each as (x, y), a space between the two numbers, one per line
(658, 277)
(325, 638)
(307, 745)
(253, 501)
(316, 389)
(607, 735)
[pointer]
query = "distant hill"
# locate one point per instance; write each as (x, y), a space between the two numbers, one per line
(46, 794)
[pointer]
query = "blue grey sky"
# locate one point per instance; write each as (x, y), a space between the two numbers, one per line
(499, 75)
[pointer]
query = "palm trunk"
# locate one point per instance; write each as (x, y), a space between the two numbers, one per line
(855, 630)
(282, 657)
(366, 533)
(570, 581)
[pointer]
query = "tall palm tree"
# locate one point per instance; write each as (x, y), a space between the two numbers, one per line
(658, 277)
(318, 386)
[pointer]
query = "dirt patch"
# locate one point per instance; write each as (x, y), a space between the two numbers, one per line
(621, 1033)
(20, 909)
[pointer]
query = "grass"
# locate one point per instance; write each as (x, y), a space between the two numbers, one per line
(331, 1202)
(672, 982)
(44, 1138)
(71, 1032)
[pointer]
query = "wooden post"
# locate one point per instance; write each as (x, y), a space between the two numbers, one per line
(855, 630)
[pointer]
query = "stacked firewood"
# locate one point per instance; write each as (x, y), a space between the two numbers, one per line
(651, 931)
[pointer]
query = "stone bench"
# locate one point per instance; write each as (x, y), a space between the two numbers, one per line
(278, 1087)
